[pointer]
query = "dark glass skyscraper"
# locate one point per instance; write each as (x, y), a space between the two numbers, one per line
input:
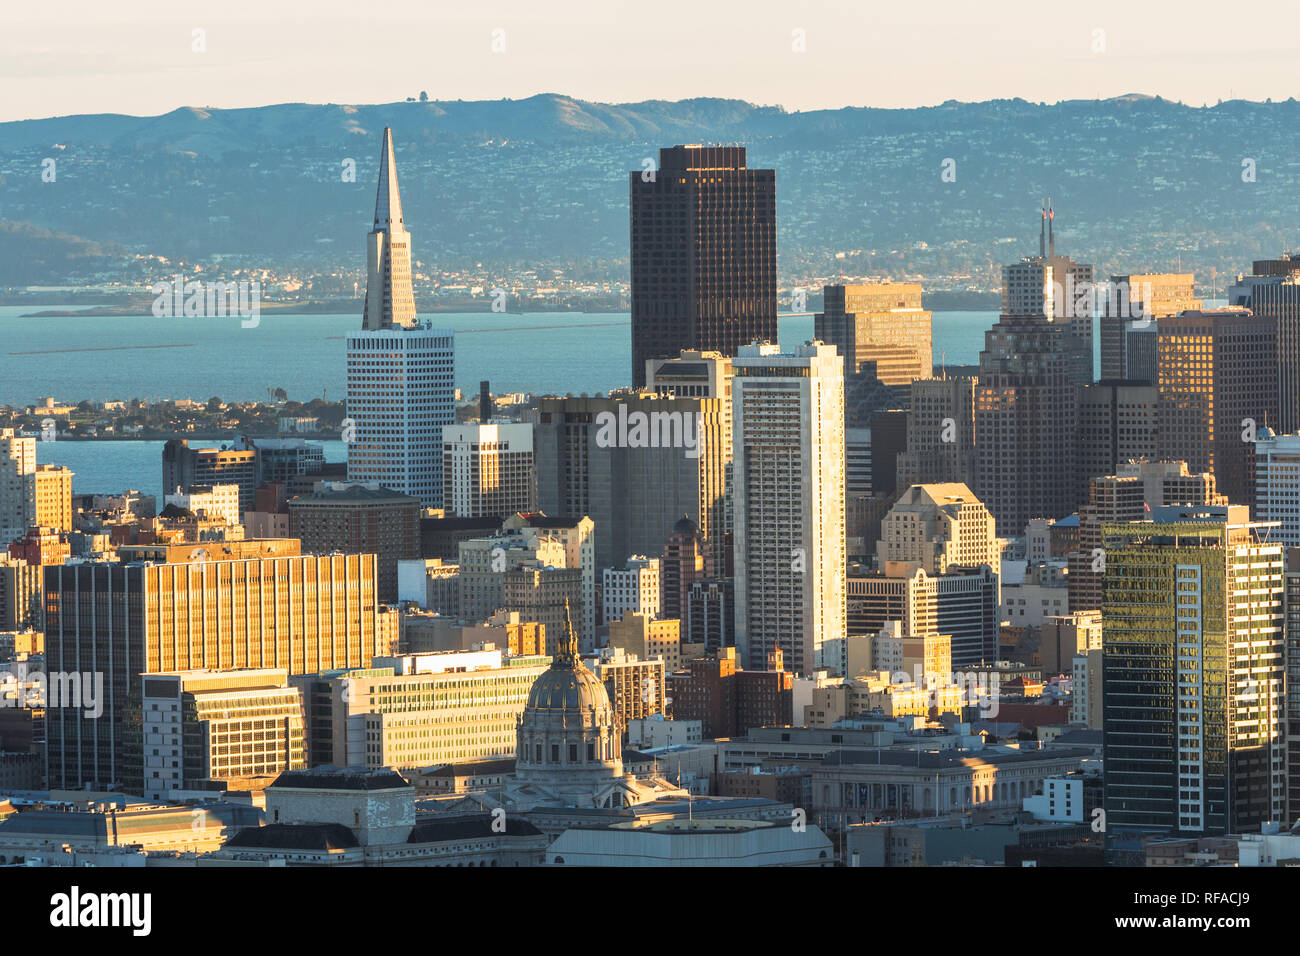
(1025, 422)
(1273, 292)
(703, 235)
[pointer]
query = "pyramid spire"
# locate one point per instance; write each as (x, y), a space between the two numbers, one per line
(388, 201)
(390, 299)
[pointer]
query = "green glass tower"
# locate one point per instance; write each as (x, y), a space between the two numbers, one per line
(1193, 699)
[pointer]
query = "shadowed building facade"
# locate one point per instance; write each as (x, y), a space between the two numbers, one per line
(703, 262)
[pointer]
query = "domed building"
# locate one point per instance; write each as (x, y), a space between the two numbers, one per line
(568, 745)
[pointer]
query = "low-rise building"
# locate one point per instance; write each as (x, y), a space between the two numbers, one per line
(680, 843)
(207, 726)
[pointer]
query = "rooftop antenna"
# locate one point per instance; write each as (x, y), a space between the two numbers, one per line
(1042, 230)
(1051, 239)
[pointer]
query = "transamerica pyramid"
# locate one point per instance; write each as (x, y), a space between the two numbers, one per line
(390, 301)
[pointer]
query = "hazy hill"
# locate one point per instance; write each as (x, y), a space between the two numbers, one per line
(1138, 182)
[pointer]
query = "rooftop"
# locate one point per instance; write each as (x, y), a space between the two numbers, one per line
(340, 778)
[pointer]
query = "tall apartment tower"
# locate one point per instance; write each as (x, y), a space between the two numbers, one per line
(703, 261)
(1131, 307)
(1193, 676)
(788, 421)
(1025, 417)
(1055, 288)
(940, 433)
(401, 387)
(1216, 392)
(162, 608)
(17, 468)
(488, 469)
(1273, 291)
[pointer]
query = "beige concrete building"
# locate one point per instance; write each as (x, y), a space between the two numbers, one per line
(1065, 637)
(52, 497)
(634, 587)
(637, 687)
(636, 462)
(918, 655)
(506, 631)
(1086, 689)
(938, 526)
(940, 433)
(483, 564)
(210, 501)
(419, 710)
(648, 639)
(20, 594)
(543, 594)
(17, 466)
(204, 726)
(856, 786)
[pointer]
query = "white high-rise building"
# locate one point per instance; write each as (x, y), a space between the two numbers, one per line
(17, 485)
(1277, 484)
(488, 469)
(401, 374)
(788, 424)
(633, 588)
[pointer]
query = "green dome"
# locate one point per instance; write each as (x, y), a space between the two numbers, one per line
(568, 687)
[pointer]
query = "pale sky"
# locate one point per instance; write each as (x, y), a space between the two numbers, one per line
(138, 56)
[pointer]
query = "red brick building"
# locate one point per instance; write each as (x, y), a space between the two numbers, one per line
(728, 700)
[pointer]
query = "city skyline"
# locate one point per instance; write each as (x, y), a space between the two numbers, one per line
(930, 546)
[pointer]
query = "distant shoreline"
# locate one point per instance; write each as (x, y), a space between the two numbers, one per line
(932, 301)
